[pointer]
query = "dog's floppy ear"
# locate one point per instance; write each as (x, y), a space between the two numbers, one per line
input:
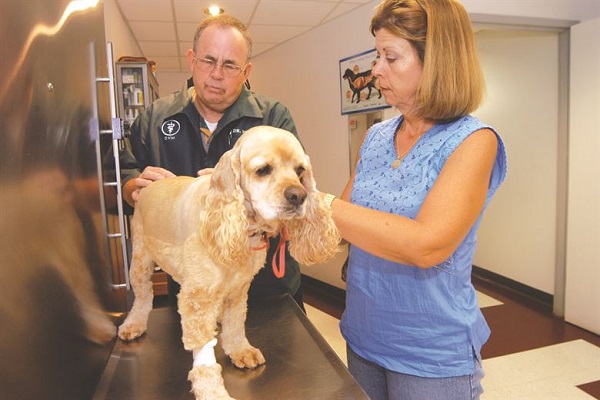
(223, 223)
(315, 238)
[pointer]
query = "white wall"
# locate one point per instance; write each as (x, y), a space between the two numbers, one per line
(303, 74)
(118, 33)
(582, 306)
(508, 11)
(171, 82)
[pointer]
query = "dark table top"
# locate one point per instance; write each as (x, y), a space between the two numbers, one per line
(300, 364)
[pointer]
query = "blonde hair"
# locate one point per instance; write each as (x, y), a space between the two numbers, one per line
(440, 31)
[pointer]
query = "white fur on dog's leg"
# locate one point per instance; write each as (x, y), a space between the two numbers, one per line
(207, 383)
(205, 355)
(233, 335)
(136, 323)
(130, 330)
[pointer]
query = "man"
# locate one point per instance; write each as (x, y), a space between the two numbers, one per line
(190, 130)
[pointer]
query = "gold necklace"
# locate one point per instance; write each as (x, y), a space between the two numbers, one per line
(400, 157)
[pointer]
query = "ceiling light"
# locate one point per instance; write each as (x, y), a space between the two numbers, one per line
(213, 10)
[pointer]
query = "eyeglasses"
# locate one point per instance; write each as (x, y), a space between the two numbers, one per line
(229, 69)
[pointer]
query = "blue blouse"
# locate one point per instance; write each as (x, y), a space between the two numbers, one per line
(422, 322)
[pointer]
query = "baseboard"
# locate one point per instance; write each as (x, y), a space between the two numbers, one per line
(543, 298)
(323, 288)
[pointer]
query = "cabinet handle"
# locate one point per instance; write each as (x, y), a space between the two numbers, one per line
(117, 134)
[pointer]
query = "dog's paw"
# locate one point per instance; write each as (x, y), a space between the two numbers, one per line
(207, 383)
(130, 331)
(250, 357)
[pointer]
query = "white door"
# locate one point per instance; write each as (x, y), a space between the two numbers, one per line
(582, 295)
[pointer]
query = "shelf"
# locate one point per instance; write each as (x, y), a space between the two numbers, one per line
(137, 88)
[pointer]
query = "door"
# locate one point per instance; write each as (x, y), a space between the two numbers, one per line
(58, 264)
(582, 295)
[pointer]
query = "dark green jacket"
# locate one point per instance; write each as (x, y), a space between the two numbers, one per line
(167, 135)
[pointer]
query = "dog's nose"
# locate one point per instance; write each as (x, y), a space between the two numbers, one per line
(295, 195)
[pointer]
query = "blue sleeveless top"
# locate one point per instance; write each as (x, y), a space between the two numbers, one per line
(422, 322)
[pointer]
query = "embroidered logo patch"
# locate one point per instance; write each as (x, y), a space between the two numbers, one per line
(170, 128)
(234, 135)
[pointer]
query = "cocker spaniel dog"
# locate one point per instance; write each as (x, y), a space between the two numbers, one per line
(211, 234)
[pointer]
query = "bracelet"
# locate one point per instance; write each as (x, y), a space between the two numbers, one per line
(328, 199)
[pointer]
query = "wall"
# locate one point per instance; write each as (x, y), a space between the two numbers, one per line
(171, 82)
(530, 11)
(118, 33)
(303, 74)
(582, 306)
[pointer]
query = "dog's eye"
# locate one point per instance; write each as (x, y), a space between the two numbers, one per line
(300, 170)
(266, 170)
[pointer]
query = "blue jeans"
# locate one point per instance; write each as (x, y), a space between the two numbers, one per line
(382, 384)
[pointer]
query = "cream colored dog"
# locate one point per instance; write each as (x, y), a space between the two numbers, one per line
(210, 233)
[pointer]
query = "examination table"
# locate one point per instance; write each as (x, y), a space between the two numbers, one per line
(299, 362)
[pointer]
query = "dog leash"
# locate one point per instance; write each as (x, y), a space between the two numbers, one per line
(279, 271)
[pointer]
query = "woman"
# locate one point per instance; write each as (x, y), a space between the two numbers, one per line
(412, 207)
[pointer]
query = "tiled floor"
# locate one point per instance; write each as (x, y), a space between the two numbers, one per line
(531, 355)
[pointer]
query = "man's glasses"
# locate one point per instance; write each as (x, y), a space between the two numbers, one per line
(230, 70)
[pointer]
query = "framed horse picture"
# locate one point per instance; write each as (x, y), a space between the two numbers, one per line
(359, 91)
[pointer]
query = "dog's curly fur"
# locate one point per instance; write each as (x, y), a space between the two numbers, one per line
(210, 233)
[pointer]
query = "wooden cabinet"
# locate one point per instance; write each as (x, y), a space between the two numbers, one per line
(159, 283)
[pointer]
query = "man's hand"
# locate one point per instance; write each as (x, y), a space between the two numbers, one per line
(131, 190)
(205, 171)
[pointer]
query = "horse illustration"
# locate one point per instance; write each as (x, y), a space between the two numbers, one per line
(359, 81)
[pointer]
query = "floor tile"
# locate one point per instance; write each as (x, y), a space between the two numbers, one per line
(329, 327)
(487, 301)
(550, 372)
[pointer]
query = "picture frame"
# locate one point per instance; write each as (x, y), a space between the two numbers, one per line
(358, 88)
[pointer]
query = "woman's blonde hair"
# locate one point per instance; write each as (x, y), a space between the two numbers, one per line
(440, 31)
